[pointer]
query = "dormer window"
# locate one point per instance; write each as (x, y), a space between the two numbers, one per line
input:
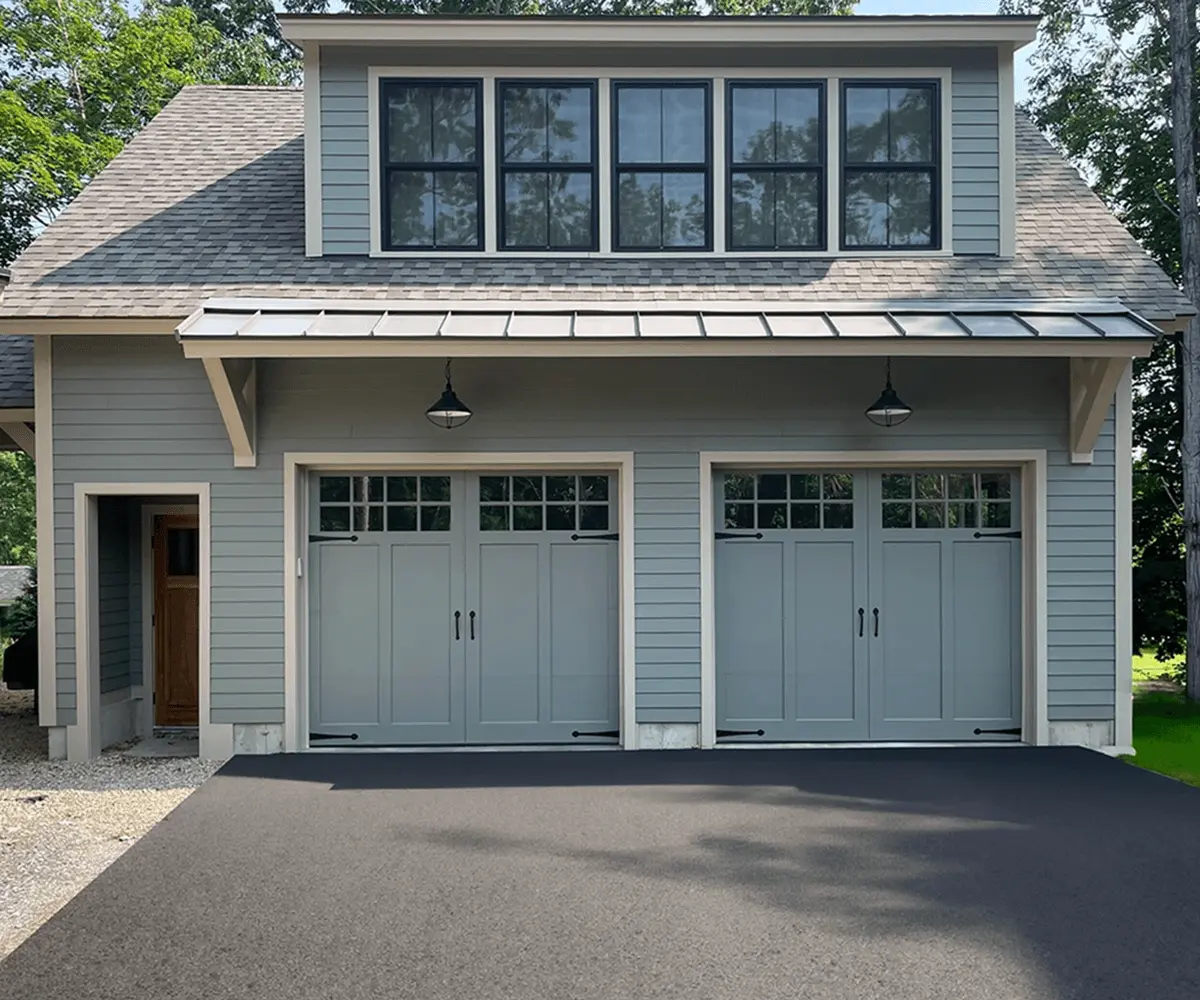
(432, 151)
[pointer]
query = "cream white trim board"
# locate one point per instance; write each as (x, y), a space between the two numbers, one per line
(313, 195)
(83, 738)
(22, 436)
(1031, 462)
(1093, 384)
(234, 386)
(1123, 447)
(43, 387)
(1008, 156)
(296, 466)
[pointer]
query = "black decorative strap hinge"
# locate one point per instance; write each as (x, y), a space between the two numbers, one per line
(332, 736)
(720, 535)
(333, 538)
(998, 732)
(606, 734)
(611, 536)
(997, 534)
(723, 733)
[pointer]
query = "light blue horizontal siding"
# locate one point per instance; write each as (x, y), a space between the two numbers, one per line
(345, 175)
(665, 412)
(975, 157)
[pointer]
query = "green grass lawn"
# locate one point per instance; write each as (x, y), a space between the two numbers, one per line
(1166, 736)
(1147, 668)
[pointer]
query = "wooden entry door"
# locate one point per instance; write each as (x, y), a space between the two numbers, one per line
(176, 620)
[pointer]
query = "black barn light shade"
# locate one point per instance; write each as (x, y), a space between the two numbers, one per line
(449, 411)
(888, 410)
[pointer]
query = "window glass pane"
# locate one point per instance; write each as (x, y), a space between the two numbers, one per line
(798, 129)
(866, 110)
(772, 487)
(183, 551)
(593, 517)
(368, 519)
(435, 518)
(560, 488)
(570, 198)
(493, 488)
(658, 210)
(839, 486)
(911, 139)
(798, 209)
(961, 484)
(888, 209)
(753, 124)
(526, 221)
(929, 515)
(897, 515)
(402, 519)
(402, 488)
(684, 136)
(493, 518)
(806, 487)
(435, 487)
(739, 515)
(335, 518)
(639, 125)
(639, 210)
(961, 515)
(772, 515)
(453, 114)
(560, 518)
(593, 488)
(897, 486)
(412, 208)
(995, 485)
(806, 515)
(335, 489)
(456, 209)
(684, 210)
(839, 515)
(410, 127)
(752, 222)
(368, 488)
(997, 515)
(527, 488)
(527, 518)
(525, 124)
(570, 124)
(929, 487)
(740, 486)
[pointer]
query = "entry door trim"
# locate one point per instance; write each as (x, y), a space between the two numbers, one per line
(297, 466)
(1031, 463)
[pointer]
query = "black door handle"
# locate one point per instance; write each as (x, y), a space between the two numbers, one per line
(861, 613)
(471, 618)
(457, 616)
(875, 612)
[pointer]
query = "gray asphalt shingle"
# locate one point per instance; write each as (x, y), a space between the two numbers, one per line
(209, 201)
(16, 372)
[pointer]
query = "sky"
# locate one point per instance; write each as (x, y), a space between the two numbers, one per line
(950, 7)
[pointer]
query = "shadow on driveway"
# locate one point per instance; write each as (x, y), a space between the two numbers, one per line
(1006, 873)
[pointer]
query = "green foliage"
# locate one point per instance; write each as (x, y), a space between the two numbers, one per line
(1101, 90)
(79, 78)
(22, 614)
(612, 8)
(18, 522)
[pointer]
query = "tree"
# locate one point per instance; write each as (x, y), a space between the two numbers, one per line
(79, 78)
(613, 8)
(18, 523)
(1101, 89)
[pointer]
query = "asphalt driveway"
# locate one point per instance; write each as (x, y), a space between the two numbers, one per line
(774, 875)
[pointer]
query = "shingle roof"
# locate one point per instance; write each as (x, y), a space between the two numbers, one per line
(13, 581)
(16, 372)
(209, 201)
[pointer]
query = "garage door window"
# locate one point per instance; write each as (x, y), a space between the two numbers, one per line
(543, 503)
(384, 503)
(947, 500)
(778, 500)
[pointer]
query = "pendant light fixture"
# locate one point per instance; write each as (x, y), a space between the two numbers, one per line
(888, 410)
(449, 411)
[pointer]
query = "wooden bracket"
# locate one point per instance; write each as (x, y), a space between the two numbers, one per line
(234, 383)
(1093, 387)
(22, 436)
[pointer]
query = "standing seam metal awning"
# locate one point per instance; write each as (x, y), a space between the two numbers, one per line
(265, 320)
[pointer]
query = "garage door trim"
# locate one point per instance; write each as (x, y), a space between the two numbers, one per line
(297, 465)
(1032, 464)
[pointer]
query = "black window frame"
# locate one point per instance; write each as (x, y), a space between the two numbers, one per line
(592, 166)
(933, 168)
(821, 169)
(387, 168)
(617, 168)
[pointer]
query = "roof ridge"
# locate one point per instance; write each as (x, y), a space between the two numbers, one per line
(269, 88)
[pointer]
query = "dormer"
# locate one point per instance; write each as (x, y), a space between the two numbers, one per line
(751, 137)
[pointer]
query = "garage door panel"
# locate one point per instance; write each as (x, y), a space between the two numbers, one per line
(348, 598)
(506, 684)
(583, 632)
(826, 635)
(908, 676)
(750, 631)
(983, 634)
(423, 688)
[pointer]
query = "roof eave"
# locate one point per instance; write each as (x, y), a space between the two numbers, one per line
(334, 29)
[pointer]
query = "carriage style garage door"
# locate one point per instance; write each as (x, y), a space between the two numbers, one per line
(868, 605)
(463, 608)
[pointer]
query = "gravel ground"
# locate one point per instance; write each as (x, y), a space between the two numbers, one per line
(62, 824)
